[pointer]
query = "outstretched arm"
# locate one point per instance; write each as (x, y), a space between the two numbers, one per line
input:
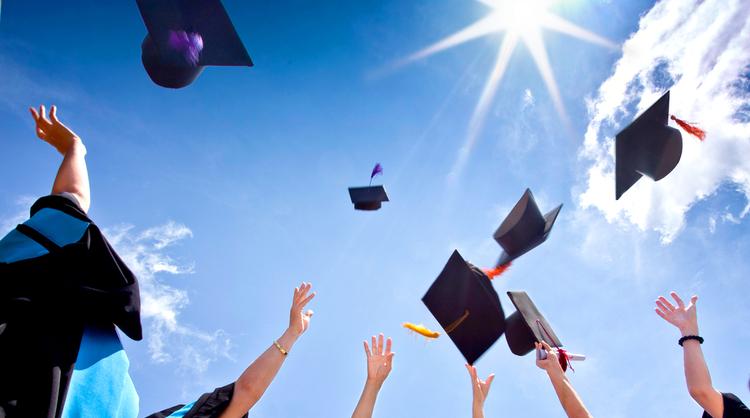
(480, 389)
(379, 365)
(571, 403)
(72, 176)
(698, 379)
(258, 376)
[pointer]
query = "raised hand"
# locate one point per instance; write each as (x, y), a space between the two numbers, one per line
(685, 318)
(480, 388)
(379, 360)
(299, 321)
(551, 364)
(52, 130)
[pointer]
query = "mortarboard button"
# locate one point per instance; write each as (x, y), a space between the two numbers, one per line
(184, 36)
(466, 305)
(524, 228)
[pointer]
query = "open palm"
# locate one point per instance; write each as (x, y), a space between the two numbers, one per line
(683, 317)
(299, 321)
(379, 359)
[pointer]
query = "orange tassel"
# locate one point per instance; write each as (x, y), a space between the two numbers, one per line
(690, 128)
(497, 270)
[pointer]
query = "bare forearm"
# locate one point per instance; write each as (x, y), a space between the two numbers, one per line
(366, 404)
(698, 378)
(72, 176)
(254, 381)
(571, 403)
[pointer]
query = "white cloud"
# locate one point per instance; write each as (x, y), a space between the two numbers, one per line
(168, 340)
(10, 222)
(699, 50)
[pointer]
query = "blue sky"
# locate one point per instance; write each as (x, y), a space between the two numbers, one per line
(230, 192)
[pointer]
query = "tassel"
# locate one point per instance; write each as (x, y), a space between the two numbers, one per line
(690, 128)
(492, 273)
(564, 359)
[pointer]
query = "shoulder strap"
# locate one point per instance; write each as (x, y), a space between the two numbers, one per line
(38, 237)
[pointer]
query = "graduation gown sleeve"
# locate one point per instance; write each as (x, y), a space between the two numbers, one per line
(208, 405)
(733, 407)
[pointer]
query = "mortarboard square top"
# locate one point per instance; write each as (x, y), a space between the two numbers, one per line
(648, 146)
(207, 18)
(368, 198)
(524, 228)
(465, 304)
(527, 325)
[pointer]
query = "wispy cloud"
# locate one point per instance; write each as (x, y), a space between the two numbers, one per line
(699, 50)
(169, 340)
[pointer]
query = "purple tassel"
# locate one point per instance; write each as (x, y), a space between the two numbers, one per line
(378, 169)
(189, 45)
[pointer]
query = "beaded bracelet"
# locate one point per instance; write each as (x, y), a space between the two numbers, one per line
(690, 337)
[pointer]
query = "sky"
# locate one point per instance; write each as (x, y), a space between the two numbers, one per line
(225, 195)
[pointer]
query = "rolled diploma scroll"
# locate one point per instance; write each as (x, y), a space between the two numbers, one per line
(542, 355)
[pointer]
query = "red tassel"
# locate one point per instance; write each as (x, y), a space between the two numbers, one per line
(564, 359)
(690, 128)
(497, 271)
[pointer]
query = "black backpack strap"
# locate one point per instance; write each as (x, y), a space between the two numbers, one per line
(38, 237)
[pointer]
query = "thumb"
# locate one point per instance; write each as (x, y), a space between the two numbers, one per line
(490, 378)
(694, 299)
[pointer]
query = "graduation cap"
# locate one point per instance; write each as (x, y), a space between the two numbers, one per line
(648, 146)
(466, 305)
(527, 325)
(184, 36)
(524, 228)
(369, 197)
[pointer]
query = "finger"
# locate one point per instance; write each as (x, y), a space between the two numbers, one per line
(490, 378)
(374, 345)
(380, 343)
(34, 114)
(666, 303)
(472, 373)
(389, 360)
(663, 307)
(367, 349)
(676, 297)
(694, 299)
(305, 300)
(309, 313)
(40, 133)
(53, 114)
(546, 347)
(661, 314)
(388, 345)
(43, 113)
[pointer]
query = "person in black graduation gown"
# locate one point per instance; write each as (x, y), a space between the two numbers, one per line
(58, 278)
(716, 404)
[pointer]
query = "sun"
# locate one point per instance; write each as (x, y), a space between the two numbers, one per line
(521, 21)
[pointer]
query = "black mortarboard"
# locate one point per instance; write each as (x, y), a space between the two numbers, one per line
(524, 228)
(368, 198)
(527, 326)
(648, 146)
(466, 305)
(174, 62)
